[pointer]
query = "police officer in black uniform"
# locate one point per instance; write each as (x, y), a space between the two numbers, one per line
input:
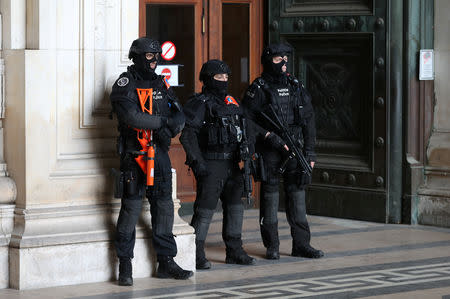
(211, 139)
(292, 103)
(166, 121)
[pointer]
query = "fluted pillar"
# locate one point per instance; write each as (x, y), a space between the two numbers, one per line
(185, 234)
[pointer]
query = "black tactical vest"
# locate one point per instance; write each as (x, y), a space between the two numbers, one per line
(222, 130)
(131, 86)
(285, 98)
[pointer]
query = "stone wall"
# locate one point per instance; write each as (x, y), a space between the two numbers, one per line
(434, 197)
(61, 57)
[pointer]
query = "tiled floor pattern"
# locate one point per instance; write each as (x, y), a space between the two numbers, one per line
(363, 260)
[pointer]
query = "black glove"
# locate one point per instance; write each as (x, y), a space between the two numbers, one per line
(163, 138)
(175, 122)
(276, 142)
(310, 155)
(303, 179)
(200, 169)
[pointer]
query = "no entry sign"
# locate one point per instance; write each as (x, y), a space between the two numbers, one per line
(167, 73)
(168, 50)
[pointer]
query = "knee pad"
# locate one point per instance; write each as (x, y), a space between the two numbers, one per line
(200, 222)
(203, 215)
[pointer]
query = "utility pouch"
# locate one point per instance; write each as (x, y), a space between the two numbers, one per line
(259, 173)
(131, 183)
(118, 182)
(223, 135)
(213, 132)
(262, 169)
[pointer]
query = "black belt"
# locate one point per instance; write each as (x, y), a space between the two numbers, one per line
(136, 153)
(218, 156)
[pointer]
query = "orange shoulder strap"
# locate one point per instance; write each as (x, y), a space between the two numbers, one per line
(145, 94)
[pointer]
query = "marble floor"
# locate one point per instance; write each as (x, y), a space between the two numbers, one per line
(362, 260)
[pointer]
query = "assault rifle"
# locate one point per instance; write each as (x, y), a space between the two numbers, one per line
(294, 150)
(247, 159)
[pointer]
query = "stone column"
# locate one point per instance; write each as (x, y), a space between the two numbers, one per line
(434, 197)
(8, 192)
(185, 234)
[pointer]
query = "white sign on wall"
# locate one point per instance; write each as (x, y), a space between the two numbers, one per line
(170, 71)
(426, 67)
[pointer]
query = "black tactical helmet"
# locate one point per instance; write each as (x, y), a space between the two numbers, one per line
(275, 50)
(213, 67)
(144, 45)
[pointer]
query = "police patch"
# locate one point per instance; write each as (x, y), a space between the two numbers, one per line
(123, 81)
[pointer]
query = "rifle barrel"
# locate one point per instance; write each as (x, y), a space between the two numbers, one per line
(288, 139)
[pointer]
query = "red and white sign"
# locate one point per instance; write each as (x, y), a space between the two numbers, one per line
(168, 50)
(167, 73)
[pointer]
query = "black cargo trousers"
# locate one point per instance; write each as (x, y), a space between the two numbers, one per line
(224, 181)
(294, 183)
(161, 206)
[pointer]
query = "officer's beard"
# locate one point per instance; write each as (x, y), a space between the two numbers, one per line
(144, 68)
(216, 87)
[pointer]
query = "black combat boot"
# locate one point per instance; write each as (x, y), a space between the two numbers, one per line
(239, 256)
(233, 216)
(201, 263)
(125, 272)
(167, 268)
(200, 222)
(272, 253)
(269, 233)
(307, 251)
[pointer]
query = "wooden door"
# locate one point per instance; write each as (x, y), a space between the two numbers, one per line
(236, 37)
(203, 30)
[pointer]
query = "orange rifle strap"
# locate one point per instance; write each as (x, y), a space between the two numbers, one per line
(147, 164)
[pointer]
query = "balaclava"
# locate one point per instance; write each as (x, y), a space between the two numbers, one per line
(138, 49)
(272, 50)
(211, 68)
